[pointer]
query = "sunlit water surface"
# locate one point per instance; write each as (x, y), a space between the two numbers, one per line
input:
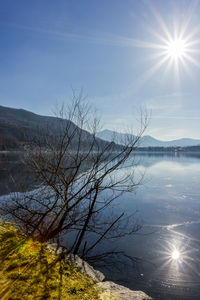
(168, 204)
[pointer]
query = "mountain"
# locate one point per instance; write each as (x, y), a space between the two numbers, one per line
(146, 141)
(18, 127)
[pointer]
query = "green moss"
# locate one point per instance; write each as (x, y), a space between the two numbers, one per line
(29, 271)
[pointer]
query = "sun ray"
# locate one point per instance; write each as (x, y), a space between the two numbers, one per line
(192, 60)
(148, 74)
(186, 68)
(193, 43)
(177, 71)
(192, 51)
(168, 68)
(158, 35)
(192, 34)
(185, 25)
(161, 23)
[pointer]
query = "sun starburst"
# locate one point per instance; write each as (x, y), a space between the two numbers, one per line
(176, 47)
(173, 48)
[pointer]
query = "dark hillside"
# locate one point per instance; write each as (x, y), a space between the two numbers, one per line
(18, 127)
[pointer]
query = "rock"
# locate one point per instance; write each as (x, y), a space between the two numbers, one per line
(113, 291)
(53, 247)
(110, 290)
(86, 268)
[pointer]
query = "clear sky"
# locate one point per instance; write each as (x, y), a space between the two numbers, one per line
(125, 54)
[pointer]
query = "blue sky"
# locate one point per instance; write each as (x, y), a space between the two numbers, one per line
(113, 50)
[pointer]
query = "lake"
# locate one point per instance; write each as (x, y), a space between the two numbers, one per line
(168, 206)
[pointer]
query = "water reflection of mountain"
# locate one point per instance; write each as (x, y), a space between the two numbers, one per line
(168, 154)
(148, 159)
(14, 174)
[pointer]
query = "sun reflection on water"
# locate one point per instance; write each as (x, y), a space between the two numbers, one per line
(175, 254)
(174, 258)
(176, 261)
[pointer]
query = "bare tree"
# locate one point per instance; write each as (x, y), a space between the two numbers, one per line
(80, 179)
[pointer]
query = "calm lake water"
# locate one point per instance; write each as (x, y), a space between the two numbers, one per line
(168, 205)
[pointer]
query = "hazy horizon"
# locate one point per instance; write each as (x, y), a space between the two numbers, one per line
(101, 129)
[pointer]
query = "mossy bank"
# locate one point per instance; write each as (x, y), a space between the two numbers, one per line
(28, 270)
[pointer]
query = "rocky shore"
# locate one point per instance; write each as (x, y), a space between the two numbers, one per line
(110, 290)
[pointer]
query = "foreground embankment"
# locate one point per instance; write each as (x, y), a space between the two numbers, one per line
(31, 270)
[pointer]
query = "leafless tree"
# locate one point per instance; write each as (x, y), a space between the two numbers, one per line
(80, 178)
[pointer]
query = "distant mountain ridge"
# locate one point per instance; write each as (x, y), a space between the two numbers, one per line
(147, 140)
(18, 124)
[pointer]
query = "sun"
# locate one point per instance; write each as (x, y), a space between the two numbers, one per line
(176, 48)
